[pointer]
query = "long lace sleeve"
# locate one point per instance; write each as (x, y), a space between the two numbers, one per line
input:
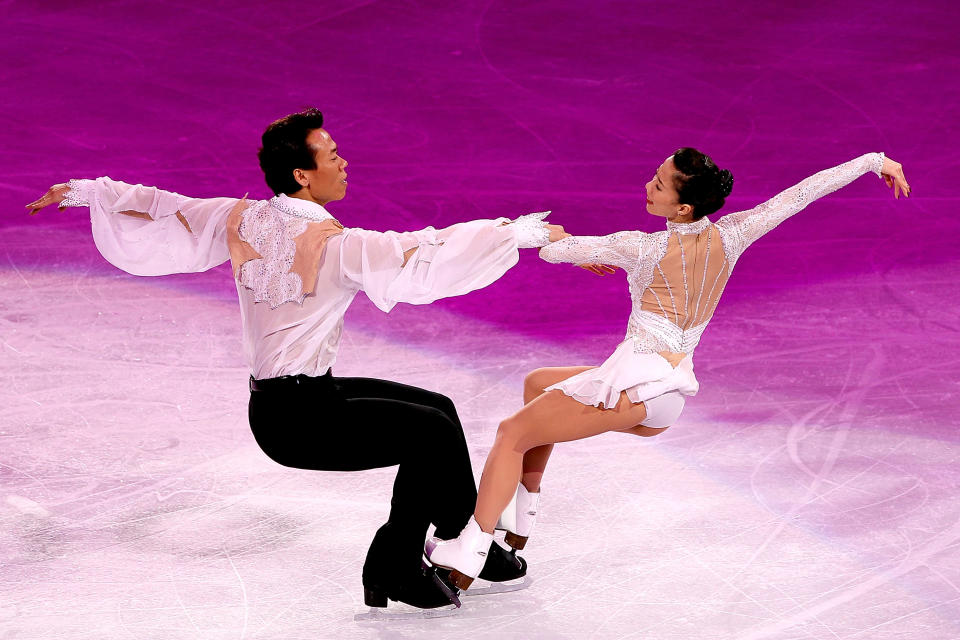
(150, 232)
(450, 262)
(621, 249)
(741, 229)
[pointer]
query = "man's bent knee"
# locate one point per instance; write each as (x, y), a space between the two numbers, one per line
(446, 405)
(434, 423)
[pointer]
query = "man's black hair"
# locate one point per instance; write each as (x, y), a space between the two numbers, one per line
(285, 149)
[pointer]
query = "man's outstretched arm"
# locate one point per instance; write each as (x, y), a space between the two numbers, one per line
(148, 231)
(423, 266)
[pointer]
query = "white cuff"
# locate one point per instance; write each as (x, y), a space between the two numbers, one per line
(878, 169)
(79, 194)
(531, 230)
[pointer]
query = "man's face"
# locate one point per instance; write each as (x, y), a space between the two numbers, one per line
(328, 182)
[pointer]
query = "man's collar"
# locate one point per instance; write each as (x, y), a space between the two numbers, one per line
(299, 208)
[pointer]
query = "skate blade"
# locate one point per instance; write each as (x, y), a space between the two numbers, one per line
(451, 593)
(401, 611)
(484, 588)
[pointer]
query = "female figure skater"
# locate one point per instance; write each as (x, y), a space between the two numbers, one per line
(676, 278)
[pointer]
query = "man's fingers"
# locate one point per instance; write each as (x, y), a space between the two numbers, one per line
(599, 269)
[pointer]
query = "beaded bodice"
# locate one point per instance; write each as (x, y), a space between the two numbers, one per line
(677, 284)
(677, 276)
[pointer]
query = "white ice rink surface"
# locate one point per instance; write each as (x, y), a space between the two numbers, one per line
(804, 497)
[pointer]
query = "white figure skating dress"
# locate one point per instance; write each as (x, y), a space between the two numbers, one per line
(676, 278)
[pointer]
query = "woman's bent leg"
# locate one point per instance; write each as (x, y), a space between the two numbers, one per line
(535, 459)
(550, 418)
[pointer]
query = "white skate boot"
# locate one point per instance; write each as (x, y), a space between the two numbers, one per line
(464, 555)
(518, 517)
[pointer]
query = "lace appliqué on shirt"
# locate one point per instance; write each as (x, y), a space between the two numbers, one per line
(273, 254)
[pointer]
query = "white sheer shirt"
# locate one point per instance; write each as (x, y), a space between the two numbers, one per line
(164, 233)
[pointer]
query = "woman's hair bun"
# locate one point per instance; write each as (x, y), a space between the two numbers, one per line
(726, 182)
(699, 182)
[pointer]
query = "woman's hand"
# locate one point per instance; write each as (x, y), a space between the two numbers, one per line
(599, 269)
(54, 195)
(893, 175)
(557, 232)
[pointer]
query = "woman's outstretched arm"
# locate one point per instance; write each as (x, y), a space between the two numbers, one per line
(621, 249)
(742, 228)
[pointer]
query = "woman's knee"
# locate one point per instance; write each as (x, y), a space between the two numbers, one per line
(513, 433)
(537, 380)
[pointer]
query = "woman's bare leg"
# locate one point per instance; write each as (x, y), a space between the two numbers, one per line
(535, 460)
(551, 417)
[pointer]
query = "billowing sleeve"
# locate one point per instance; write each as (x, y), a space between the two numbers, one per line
(150, 232)
(450, 262)
(741, 229)
(621, 249)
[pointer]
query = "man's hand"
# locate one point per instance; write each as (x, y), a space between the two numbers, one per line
(599, 269)
(557, 232)
(54, 195)
(893, 175)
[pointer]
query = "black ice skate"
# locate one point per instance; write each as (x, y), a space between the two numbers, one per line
(503, 572)
(425, 595)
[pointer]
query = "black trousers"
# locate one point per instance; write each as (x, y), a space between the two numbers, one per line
(350, 424)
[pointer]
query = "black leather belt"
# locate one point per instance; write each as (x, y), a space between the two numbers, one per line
(288, 382)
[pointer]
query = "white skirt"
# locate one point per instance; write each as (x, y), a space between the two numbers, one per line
(642, 375)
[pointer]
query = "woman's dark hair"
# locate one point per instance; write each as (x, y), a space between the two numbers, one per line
(699, 182)
(285, 149)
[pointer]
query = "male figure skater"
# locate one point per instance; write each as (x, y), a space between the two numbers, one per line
(297, 269)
